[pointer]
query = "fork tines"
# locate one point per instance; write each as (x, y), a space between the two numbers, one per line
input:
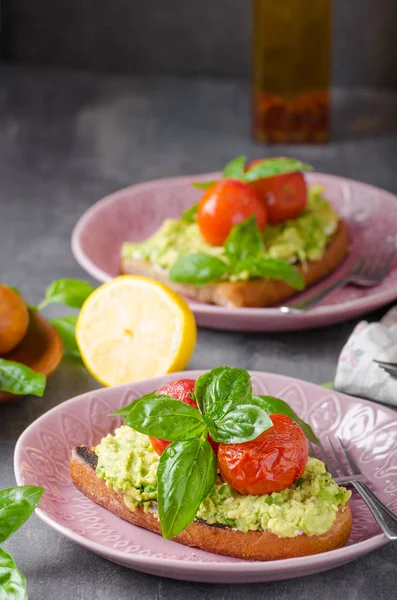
(333, 460)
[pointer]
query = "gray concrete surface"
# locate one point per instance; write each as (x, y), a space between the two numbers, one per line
(189, 38)
(67, 139)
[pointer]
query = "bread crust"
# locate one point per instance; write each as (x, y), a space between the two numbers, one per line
(254, 293)
(253, 545)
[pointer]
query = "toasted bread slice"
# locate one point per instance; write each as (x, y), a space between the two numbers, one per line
(255, 292)
(253, 545)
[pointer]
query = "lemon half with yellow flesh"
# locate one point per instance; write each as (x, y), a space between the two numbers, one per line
(134, 328)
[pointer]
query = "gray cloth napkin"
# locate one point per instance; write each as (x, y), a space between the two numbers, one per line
(356, 373)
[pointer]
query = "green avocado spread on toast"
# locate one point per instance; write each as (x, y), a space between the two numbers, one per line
(128, 464)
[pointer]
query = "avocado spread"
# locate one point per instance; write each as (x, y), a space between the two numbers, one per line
(301, 239)
(128, 464)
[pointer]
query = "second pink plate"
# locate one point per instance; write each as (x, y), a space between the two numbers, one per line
(134, 213)
(42, 458)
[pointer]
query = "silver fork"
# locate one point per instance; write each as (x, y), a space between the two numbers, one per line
(386, 520)
(389, 367)
(367, 272)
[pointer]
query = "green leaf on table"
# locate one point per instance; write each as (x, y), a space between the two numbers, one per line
(19, 379)
(185, 475)
(190, 215)
(72, 292)
(12, 582)
(244, 241)
(222, 389)
(235, 168)
(198, 269)
(203, 185)
(241, 424)
(271, 268)
(277, 406)
(164, 417)
(270, 167)
(16, 506)
(66, 327)
(328, 385)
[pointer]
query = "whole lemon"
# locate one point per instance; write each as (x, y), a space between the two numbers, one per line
(14, 319)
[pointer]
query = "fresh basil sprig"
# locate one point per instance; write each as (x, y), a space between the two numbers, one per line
(243, 249)
(235, 168)
(16, 506)
(245, 241)
(187, 469)
(165, 417)
(199, 269)
(66, 327)
(12, 582)
(72, 292)
(19, 379)
(185, 476)
(190, 215)
(268, 167)
(222, 389)
(277, 406)
(240, 424)
(203, 185)
(272, 268)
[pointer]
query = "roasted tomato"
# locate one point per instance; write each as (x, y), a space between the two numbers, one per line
(224, 205)
(285, 195)
(182, 390)
(270, 463)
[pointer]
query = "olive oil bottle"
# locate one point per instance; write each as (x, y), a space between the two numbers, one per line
(291, 70)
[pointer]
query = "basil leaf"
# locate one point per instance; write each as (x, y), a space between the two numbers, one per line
(123, 412)
(198, 269)
(16, 506)
(165, 417)
(272, 268)
(241, 424)
(329, 385)
(20, 379)
(235, 168)
(222, 389)
(277, 406)
(71, 292)
(245, 240)
(185, 476)
(270, 167)
(203, 185)
(66, 327)
(12, 582)
(190, 215)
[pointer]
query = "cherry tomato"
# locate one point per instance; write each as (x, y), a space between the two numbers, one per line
(224, 205)
(285, 195)
(270, 463)
(182, 390)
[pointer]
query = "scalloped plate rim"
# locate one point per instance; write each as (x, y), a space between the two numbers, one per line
(364, 304)
(346, 554)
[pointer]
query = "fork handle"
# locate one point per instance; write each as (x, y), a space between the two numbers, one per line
(311, 301)
(386, 520)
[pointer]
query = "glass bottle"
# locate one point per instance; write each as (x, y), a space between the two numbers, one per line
(291, 70)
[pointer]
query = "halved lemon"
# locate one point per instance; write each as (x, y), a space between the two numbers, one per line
(134, 328)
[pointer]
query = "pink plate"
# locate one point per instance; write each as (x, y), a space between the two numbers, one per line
(134, 213)
(42, 458)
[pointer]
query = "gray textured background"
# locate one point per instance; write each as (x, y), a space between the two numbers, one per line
(210, 37)
(66, 140)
